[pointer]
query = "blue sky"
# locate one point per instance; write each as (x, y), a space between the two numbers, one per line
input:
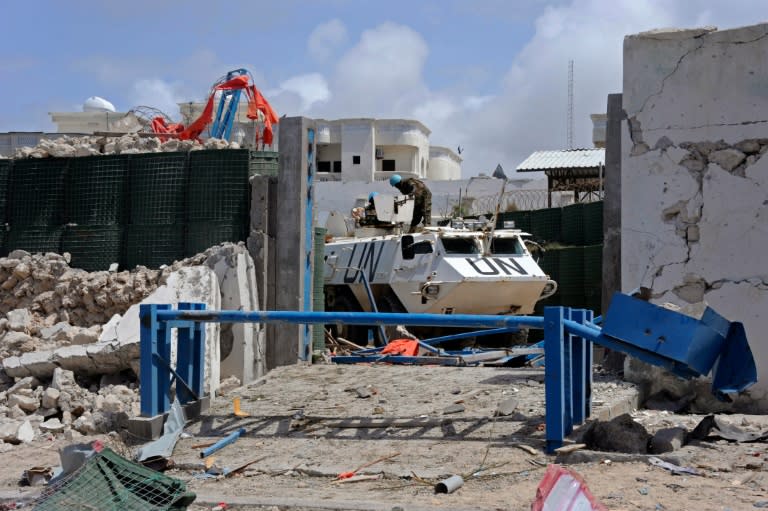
(489, 75)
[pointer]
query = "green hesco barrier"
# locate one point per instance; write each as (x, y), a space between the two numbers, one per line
(5, 172)
(152, 245)
(218, 189)
(3, 241)
(571, 271)
(545, 224)
(318, 293)
(158, 186)
(201, 236)
(92, 247)
(522, 220)
(37, 191)
(96, 190)
(34, 238)
(573, 224)
(264, 163)
(593, 265)
(593, 223)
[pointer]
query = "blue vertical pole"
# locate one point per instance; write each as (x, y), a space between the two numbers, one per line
(553, 377)
(568, 375)
(588, 364)
(306, 341)
(155, 342)
(579, 369)
(184, 358)
(197, 378)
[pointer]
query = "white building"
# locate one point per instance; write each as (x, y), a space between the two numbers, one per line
(98, 115)
(368, 150)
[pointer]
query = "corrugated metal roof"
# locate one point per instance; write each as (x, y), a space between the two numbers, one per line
(564, 159)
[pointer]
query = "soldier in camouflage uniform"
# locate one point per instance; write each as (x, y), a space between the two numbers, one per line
(422, 208)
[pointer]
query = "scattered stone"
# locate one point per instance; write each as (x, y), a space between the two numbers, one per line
(86, 335)
(16, 413)
(667, 440)
(51, 397)
(728, 159)
(456, 391)
(748, 146)
(59, 332)
(227, 385)
(362, 392)
(29, 382)
(17, 432)
(63, 379)
(506, 407)
(52, 426)
(454, 408)
(27, 403)
(19, 319)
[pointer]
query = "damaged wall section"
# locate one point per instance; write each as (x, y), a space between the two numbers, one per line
(694, 179)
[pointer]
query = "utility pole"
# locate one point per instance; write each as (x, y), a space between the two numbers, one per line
(570, 105)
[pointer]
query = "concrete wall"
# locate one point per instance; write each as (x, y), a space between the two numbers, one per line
(694, 182)
(443, 165)
(358, 138)
(405, 157)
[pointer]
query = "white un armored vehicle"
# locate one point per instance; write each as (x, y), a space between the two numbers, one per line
(466, 268)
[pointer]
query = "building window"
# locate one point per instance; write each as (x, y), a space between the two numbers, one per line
(356, 159)
(388, 165)
(323, 166)
(337, 167)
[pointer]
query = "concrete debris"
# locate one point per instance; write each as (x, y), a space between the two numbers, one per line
(668, 440)
(72, 146)
(621, 434)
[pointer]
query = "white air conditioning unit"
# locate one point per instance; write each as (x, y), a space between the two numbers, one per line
(379, 153)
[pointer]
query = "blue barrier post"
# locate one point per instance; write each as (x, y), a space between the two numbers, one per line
(554, 391)
(568, 376)
(190, 361)
(155, 344)
(579, 369)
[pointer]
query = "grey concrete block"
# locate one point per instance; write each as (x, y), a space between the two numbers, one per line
(147, 428)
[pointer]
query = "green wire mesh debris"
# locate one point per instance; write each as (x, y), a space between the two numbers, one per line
(109, 482)
(96, 190)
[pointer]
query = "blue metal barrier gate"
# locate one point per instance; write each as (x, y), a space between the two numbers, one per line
(686, 346)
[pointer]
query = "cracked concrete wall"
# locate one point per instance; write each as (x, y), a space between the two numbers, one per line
(694, 179)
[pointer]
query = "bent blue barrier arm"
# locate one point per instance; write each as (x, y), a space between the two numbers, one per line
(222, 443)
(351, 318)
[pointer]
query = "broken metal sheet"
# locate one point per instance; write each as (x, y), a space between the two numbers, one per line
(172, 429)
(675, 469)
(713, 427)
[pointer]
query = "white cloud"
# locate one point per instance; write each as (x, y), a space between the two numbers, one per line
(311, 89)
(325, 39)
(381, 75)
(159, 94)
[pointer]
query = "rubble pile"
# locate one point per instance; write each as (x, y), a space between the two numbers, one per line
(63, 405)
(72, 146)
(45, 302)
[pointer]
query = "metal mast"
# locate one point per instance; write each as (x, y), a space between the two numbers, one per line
(570, 105)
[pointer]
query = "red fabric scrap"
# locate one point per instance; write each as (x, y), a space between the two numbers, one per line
(407, 347)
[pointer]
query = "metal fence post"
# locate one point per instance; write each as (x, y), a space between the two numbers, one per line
(155, 343)
(579, 345)
(568, 375)
(553, 377)
(197, 378)
(184, 357)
